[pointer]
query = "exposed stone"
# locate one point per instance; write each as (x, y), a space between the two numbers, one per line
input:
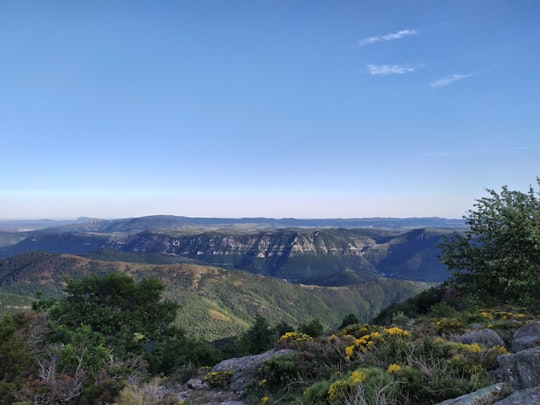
(521, 370)
(526, 337)
(245, 368)
(524, 397)
(486, 337)
(484, 396)
(196, 384)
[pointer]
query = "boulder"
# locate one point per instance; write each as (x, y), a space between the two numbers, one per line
(486, 337)
(484, 396)
(196, 384)
(523, 397)
(521, 370)
(245, 369)
(526, 337)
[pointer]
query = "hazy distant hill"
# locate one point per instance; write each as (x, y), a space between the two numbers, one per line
(214, 303)
(157, 222)
(324, 256)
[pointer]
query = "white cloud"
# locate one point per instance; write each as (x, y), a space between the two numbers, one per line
(387, 37)
(384, 70)
(447, 80)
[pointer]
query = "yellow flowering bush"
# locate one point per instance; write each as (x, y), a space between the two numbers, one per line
(449, 326)
(498, 317)
(363, 344)
(371, 384)
(373, 336)
(393, 368)
(341, 387)
(219, 379)
(294, 339)
(395, 331)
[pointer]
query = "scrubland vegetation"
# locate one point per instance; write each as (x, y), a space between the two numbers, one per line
(111, 339)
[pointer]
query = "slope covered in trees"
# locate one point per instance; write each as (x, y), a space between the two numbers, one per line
(216, 303)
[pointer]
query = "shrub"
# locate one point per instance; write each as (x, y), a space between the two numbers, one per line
(218, 379)
(317, 393)
(363, 386)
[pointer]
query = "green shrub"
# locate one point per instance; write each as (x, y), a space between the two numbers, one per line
(442, 310)
(317, 393)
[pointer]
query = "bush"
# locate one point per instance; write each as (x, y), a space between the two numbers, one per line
(497, 259)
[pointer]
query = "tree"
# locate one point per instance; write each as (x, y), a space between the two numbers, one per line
(497, 258)
(313, 328)
(125, 313)
(349, 319)
(259, 337)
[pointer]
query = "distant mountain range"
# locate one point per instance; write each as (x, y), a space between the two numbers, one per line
(329, 252)
(154, 222)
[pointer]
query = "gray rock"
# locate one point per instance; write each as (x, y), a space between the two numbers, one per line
(529, 396)
(521, 370)
(526, 337)
(196, 384)
(485, 396)
(486, 337)
(245, 368)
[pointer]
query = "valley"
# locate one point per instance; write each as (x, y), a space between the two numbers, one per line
(224, 272)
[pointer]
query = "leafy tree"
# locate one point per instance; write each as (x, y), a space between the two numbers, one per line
(281, 328)
(349, 319)
(259, 337)
(125, 313)
(180, 353)
(314, 328)
(498, 257)
(15, 358)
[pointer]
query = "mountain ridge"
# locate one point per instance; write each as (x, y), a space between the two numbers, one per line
(301, 255)
(154, 222)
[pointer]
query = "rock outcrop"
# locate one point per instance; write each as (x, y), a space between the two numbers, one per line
(521, 370)
(244, 369)
(524, 397)
(518, 375)
(486, 337)
(485, 396)
(526, 337)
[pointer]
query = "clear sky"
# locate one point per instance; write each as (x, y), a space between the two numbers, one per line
(275, 108)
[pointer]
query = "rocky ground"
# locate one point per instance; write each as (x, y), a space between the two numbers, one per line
(515, 382)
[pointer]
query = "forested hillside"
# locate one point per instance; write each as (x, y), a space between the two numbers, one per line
(214, 303)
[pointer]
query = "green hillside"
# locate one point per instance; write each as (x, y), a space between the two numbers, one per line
(214, 303)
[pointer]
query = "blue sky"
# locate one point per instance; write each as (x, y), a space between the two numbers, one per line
(269, 108)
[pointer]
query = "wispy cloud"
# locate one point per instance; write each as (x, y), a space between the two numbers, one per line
(387, 37)
(447, 80)
(385, 70)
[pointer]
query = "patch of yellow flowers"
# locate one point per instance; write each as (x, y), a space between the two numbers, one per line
(393, 368)
(336, 389)
(294, 337)
(368, 341)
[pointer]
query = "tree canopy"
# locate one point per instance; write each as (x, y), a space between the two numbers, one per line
(126, 313)
(498, 257)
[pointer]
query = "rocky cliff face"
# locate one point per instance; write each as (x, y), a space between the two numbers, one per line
(323, 256)
(305, 255)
